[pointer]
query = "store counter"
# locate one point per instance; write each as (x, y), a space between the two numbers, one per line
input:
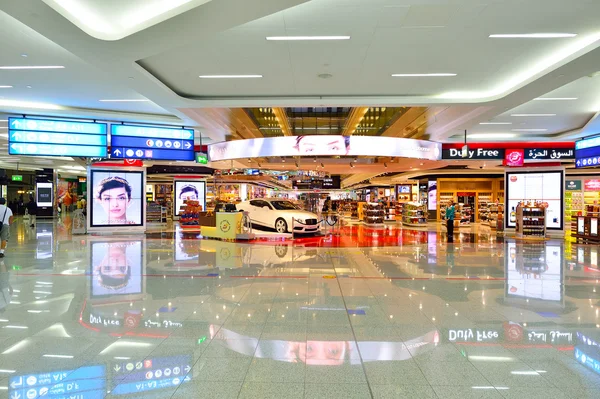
(228, 226)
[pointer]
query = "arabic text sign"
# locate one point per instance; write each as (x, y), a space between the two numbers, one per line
(146, 142)
(56, 138)
(84, 382)
(325, 145)
(546, 154)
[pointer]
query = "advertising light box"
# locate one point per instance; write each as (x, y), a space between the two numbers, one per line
(147, 142)
(189, 190)
(546, 187)
(117, 198)
(44, 194)
(56, 138)
(325, 145)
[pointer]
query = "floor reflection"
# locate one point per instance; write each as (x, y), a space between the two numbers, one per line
(170, 315)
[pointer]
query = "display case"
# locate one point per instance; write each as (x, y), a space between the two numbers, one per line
(190, 214)
(374, 214)
(155, 213)
(414, 215)
(465, 215)
(574, 206)
(399, 209)
(531, 221)
(390, 212)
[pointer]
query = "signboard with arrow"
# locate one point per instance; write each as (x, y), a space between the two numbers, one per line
(55, 137)
(148, 142)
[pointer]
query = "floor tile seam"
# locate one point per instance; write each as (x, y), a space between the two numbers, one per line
(343, 297)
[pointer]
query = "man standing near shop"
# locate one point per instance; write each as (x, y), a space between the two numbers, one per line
(6, 218)
(450, 211)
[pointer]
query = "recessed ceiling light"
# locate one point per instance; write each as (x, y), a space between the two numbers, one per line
(529, 130)
(304, 38)
(555, 99)
(32, 67)
(421, 75)
(532, 35)
(124, 101)
(28, 86)
(27, 104)
(230, 76)
(533, 115)
(5, 87)
(495, 123)
(491, 135)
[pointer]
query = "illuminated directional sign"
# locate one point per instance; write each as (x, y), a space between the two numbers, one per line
(84, 382)
(147, 142)
(50, 137)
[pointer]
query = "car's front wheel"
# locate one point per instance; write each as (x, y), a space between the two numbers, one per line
(281, 226)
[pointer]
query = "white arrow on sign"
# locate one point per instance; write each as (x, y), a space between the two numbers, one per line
(117, 152)
(187, 369)
(15, 384)
(15, 395)
(16, 124)
(117, 367)
(187, 145)
(15, 147)
(16, 136)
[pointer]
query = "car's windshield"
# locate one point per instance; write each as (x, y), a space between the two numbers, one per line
(283, 205)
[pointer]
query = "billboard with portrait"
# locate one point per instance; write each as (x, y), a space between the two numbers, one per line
(325, 145)
(117, 198)
(189, 190)
(116, 268)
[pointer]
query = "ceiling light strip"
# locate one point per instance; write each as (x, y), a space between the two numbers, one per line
(306, 38)
(422, 75)
(230, 76)
(555, 99)
(495, 123)
(124, 101)
(16, 67)
(532, 35)
(532, 115)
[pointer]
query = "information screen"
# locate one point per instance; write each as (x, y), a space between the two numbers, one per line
(44, 194)
(189, 190)
(117, 197)
(116, 268)
(432, 195)
(148, 142)
(545, 187)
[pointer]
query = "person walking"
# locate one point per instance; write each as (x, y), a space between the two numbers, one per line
(450, 211)
(32, 210)
(6, 218)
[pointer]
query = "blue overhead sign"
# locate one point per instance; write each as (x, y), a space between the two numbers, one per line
(82, 383)
(147, 142)
(587, 153)
(56, 138)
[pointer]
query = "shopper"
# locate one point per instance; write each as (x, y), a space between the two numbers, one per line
(6, 219)
(32, 210)
(450, 211)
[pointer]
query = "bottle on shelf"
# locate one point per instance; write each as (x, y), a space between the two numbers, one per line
(513, 215)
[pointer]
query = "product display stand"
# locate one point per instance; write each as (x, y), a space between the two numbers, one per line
(156, 213)
(373, 214)
(390, 212)
(414, 215)
(531, 222)
(465, 216)
(189, 215)
(584, 229)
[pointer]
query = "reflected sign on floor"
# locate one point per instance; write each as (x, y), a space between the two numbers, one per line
(82, 383)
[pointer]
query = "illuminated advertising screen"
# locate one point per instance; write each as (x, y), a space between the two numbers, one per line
(44, 194)
(116, 268)
(325, 145)
(546, 187)
(432, 195)
(189, 190)
(118, 198)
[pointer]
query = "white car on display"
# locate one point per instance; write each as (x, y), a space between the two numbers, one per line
(278, 213)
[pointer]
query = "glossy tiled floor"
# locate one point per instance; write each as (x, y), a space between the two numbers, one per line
(168, 315)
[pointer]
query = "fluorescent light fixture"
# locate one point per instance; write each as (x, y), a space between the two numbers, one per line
(524, 373)
(124, 101)
(5, 87)
(7, 371)
(47, 282)
(16, 327)
(3, 321)
(491, 358)
(532, 115)
(230, 76)
(59, 356)
(28, 104)
(305, 38)
(421, 75)
(495, 123)
(532, 35)
(491, 135)
(121, 358)
(500, 388)
(529, 130)
(555, 99)
(8, 67)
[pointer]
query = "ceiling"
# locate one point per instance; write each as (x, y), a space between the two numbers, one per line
(149, 55)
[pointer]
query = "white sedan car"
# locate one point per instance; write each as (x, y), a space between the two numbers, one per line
(278, 213)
